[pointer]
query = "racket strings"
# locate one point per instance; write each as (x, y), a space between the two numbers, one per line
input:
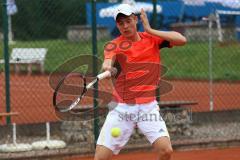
(68, 89)
(72, 100)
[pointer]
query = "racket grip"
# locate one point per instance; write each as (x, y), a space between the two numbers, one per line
(104, 75)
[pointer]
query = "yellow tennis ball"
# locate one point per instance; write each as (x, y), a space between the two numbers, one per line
(115, 132)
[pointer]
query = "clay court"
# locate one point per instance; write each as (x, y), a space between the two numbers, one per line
(210, 154)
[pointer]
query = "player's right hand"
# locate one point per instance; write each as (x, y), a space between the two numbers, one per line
(113, 71)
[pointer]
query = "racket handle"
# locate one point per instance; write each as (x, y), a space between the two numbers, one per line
(104, 75)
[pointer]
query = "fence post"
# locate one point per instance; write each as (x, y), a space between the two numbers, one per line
(6, 59)
(211, 19)
(95, 66)
(154, 13)
(154, 25)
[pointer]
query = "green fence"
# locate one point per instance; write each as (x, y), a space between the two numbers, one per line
(206, 70)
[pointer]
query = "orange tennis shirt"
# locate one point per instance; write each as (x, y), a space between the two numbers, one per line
(140, 67)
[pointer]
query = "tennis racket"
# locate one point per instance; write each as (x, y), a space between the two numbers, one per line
(65, 107)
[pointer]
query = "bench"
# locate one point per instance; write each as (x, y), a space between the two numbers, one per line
(176, 104)
(8, 114)
(29, 57)
(178, 116)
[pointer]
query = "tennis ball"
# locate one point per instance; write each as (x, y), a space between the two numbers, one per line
(115, 132)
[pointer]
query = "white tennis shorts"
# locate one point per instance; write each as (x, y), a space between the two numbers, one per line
(145, 117)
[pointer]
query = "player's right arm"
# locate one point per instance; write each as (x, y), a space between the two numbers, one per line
(109, 58)
(108, 64)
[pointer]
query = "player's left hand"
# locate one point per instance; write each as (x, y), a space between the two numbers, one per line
(145, 21)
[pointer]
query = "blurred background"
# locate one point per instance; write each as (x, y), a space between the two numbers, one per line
(38, 36)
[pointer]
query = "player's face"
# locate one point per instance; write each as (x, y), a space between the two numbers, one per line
(127, 25)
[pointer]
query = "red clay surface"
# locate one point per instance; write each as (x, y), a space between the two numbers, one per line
(212, 154)
(31, 96)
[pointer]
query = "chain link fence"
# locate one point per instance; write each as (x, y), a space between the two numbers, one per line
(44, 35)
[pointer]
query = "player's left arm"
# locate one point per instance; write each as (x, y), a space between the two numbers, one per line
(173, 37)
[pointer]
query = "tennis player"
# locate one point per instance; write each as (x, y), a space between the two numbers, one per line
(137, 53)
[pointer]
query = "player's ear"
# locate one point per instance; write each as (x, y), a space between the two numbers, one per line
(116, 23)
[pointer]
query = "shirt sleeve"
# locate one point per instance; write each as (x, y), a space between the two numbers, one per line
(165, 44)
(157, 39)
(161, 42)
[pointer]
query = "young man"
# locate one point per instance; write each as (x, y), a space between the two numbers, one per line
(138, 55)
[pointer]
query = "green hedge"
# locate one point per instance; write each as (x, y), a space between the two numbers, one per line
(46, 19)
